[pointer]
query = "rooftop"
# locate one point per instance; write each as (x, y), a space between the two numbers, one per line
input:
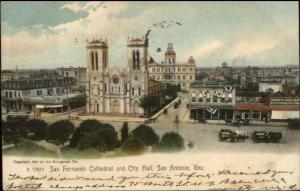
(210, 83)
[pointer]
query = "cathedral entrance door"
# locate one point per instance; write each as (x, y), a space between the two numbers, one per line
(116, 106)
(136, 108)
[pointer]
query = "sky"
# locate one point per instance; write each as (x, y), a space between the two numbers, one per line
(53, 34)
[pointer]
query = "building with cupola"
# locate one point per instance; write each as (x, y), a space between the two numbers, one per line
(169, 71)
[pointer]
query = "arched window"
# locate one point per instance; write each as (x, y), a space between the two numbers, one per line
(104, 59)
(173, 60)
(138, 60)
(96, 60)
(92, 60)
(133, 60)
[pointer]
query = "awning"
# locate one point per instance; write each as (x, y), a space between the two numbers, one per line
(48, 106)
(252, 106)
(39, 106)
(53, 106)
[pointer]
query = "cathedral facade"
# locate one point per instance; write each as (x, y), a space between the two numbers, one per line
(117, 90)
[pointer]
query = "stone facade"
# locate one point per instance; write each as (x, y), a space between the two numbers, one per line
(171, 72)
(114, 91)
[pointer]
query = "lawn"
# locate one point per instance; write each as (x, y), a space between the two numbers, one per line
(27, 148)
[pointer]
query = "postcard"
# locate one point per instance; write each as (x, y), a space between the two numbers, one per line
(150, 95)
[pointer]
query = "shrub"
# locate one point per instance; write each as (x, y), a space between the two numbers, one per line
(133, 145)
(15, 129)
(101, 139)
(171, 141)
(190, 145)
(146, 134)
(89, 140)
(38, 127)
(59, 131)
(110, 137)
(85, 126)
(77, 101)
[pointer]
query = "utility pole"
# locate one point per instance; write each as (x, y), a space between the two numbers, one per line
(68, 107)
(177, 120)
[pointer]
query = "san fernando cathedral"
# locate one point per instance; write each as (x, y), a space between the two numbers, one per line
(120, 90)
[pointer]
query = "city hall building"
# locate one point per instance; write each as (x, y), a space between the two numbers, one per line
(114, 91)
(171, 72)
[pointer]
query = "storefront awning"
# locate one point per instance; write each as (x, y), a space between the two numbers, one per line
(252, 106)
(39, 106)
(48, 106)
(53, 106)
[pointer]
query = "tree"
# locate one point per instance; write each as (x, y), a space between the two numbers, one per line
(7, 136)
(59, 131)
(77, 101)
(88, 141)
(146, 134)
(85, 126)
(124, 132)
(150, 102)
(171, 90)
(102, 139)
(15, 128)
(171, 141)
(133, 145)
(38, 127)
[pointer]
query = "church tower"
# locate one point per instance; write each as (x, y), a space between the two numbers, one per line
(137, 49)
(170, 55)
(97, 65)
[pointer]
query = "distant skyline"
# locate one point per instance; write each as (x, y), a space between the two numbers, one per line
(53, 34)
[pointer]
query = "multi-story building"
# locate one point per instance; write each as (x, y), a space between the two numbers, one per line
(211, 99)
(30, 94)
(78, 73)
(283, 75)
(171, 72)
(119, 90)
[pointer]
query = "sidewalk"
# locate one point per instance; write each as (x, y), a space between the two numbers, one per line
(7, 146)
(113, 118)
(252, 123)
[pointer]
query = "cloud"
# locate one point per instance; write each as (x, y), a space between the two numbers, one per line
(72, 6)
(100, 23)
(251, 47)
(80, 7)
(117, 20)
(206, 48)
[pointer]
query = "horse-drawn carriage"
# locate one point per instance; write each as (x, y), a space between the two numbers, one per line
(232, 136)
(266, 137)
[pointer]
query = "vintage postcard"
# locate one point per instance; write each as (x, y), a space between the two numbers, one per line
(150, 95)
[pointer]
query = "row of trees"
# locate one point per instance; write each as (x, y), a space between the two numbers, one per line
(90, 134)
(144, 136)
(15, 128)
(103, 137)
